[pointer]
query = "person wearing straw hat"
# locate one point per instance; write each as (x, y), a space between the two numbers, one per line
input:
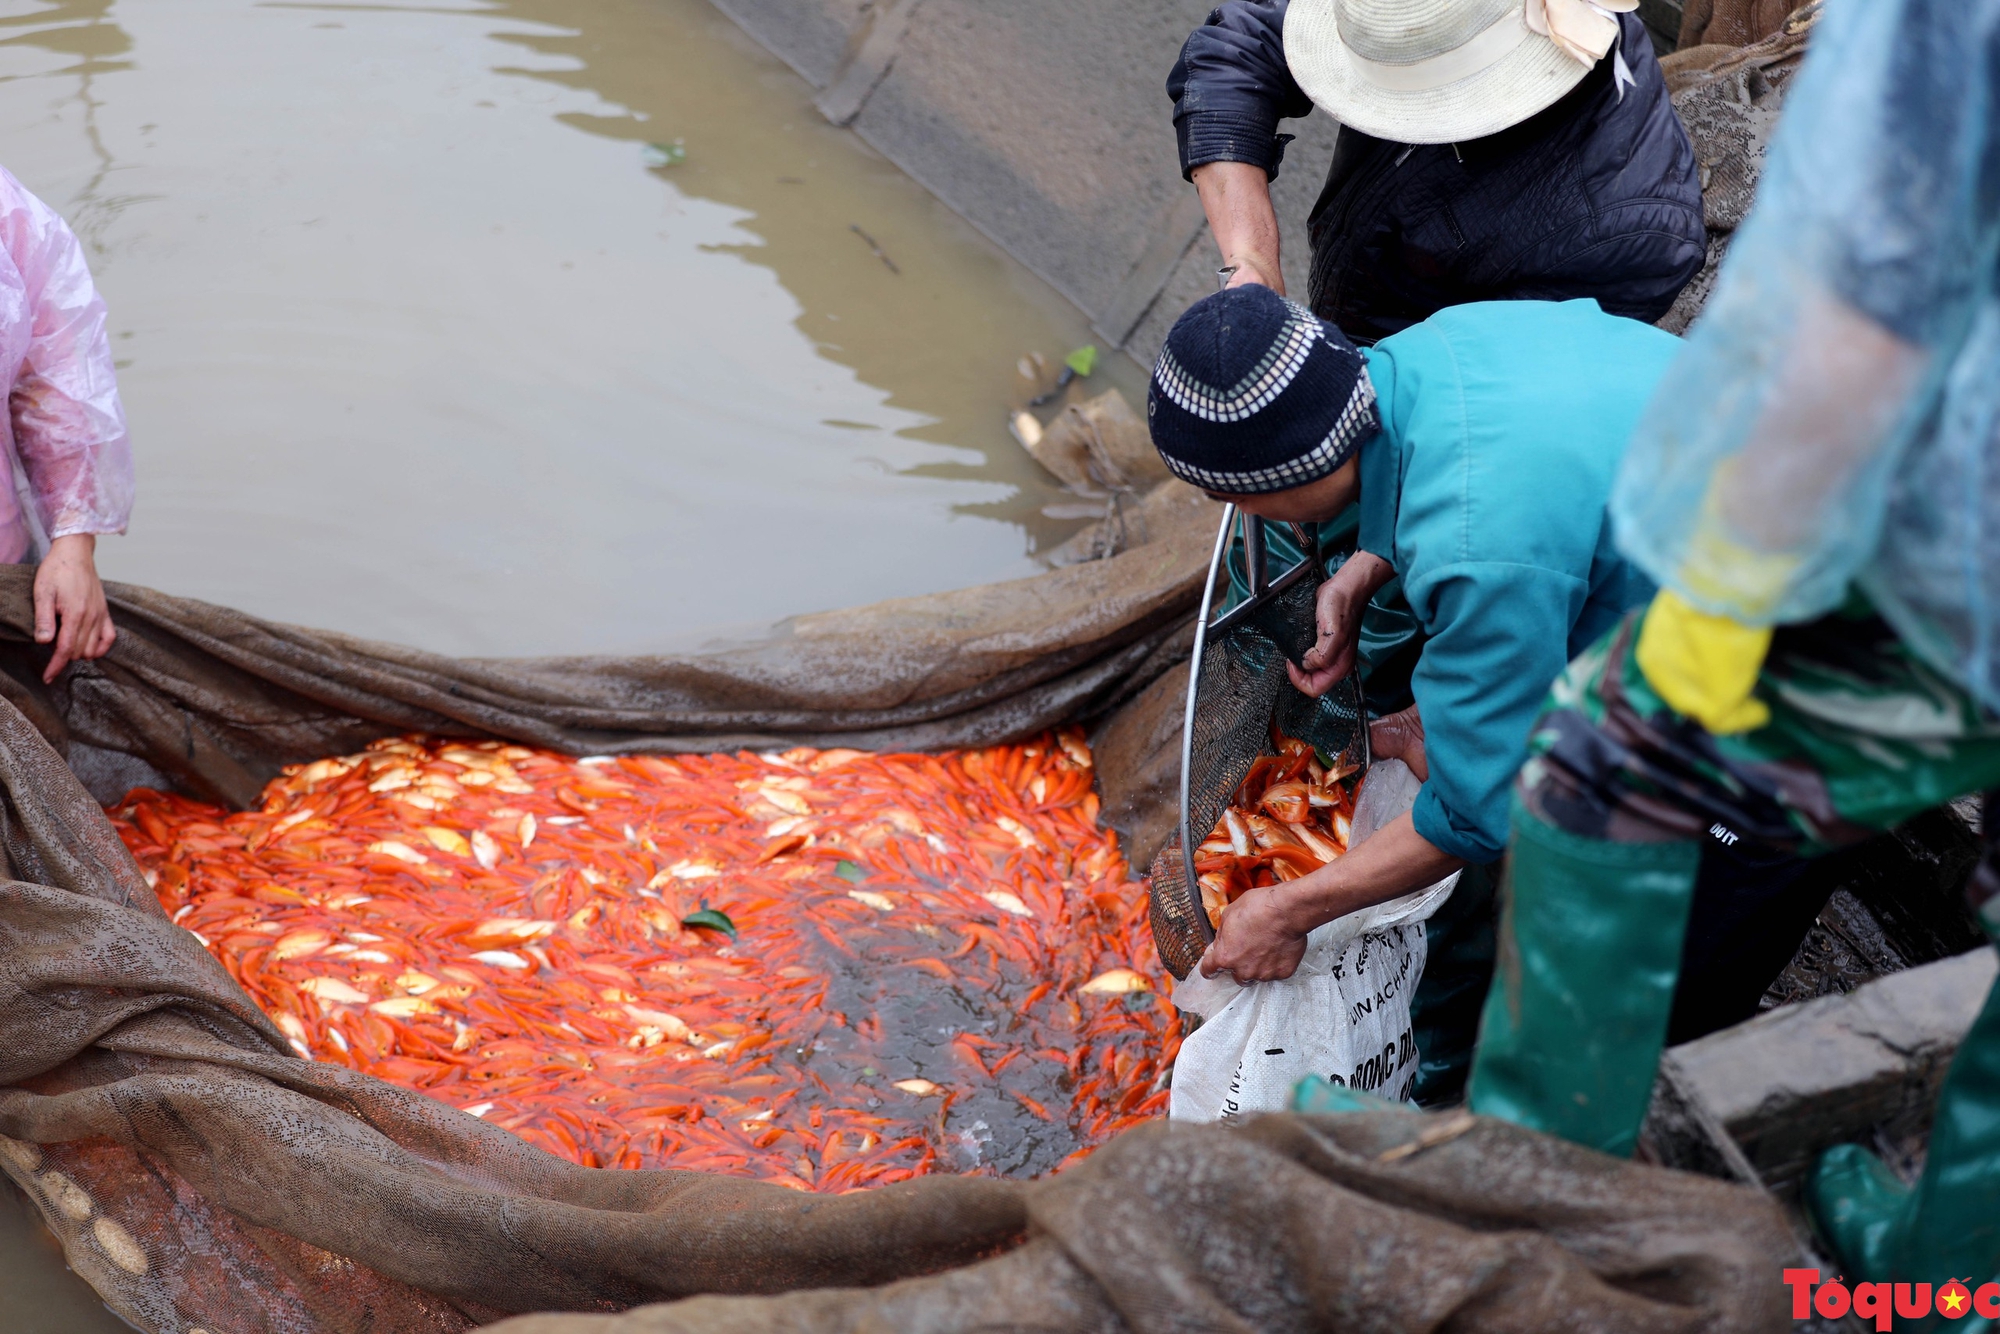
(1489, 149)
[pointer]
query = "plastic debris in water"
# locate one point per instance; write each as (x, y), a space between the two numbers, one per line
(875, 246)
(655, 156)
(522, 935)
(1077, 365)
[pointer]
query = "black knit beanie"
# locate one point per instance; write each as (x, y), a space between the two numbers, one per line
(1254, 393)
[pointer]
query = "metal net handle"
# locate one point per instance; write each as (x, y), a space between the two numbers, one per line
(1187, 724)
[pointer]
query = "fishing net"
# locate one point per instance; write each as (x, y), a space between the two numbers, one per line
(1384, 1221)
(1241, 693)
(202, 1175)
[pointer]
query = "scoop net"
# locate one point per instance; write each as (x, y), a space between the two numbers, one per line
(1238, 692)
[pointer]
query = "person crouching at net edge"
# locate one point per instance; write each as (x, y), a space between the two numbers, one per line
(1480, 445)
(64, 428)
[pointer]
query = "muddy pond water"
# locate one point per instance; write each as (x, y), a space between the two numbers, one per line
(527, 326)
(516, 327)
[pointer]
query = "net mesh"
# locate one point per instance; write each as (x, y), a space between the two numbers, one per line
(1241, 692)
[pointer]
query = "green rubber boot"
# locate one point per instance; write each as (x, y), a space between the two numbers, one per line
(1948, 1224)
(1590, 949)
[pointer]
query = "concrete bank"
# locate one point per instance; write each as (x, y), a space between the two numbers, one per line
(1047, 125)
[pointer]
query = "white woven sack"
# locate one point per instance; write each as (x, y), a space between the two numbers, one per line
(1344, 1014)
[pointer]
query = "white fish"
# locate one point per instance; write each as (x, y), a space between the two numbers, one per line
(402, 852)
(501, 959)
(1007, 902)
(335, 991)
(447, 840)
(485, 849)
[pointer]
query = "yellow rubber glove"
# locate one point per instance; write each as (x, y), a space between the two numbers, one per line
(1704, 666)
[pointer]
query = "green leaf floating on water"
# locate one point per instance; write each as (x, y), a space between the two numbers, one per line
(672, 155)
(713, 918)
(1083, 361)
(849, 872)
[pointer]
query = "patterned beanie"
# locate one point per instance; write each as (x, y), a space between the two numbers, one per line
(1254, 393)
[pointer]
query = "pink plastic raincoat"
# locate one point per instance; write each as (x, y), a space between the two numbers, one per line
(64, 425)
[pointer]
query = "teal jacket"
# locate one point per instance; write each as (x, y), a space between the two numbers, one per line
(1503, 425)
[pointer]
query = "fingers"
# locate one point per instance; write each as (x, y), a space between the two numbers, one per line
(1253, 960)
(1313, 684)
(70, 612)
(65, 649)
(1328, 606)
(1266, 970)
(1338, 663)
(45, 605)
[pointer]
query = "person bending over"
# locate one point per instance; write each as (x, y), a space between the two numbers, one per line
(1480, 446)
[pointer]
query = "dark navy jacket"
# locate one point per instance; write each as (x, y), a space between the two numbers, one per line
(1597, 196)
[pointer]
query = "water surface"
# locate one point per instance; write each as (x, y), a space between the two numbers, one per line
(417, 345)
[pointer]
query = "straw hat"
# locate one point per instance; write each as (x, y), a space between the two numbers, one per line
(1443, 71)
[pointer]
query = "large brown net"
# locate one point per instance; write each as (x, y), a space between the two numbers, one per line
(203, 1176)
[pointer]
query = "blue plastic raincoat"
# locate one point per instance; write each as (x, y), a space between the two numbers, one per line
(1834, 417)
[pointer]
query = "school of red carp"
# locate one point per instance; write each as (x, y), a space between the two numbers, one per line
(828, 969)
(1289, 816)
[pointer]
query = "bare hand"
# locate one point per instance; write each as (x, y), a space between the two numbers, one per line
(1257, 941)
(1400, 736)
(69, 603)
(1342, 600)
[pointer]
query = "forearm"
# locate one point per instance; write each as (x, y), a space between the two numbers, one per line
(1396, 861)
(1236, 196)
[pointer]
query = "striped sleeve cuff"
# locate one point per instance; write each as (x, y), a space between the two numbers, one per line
(1223, 136)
